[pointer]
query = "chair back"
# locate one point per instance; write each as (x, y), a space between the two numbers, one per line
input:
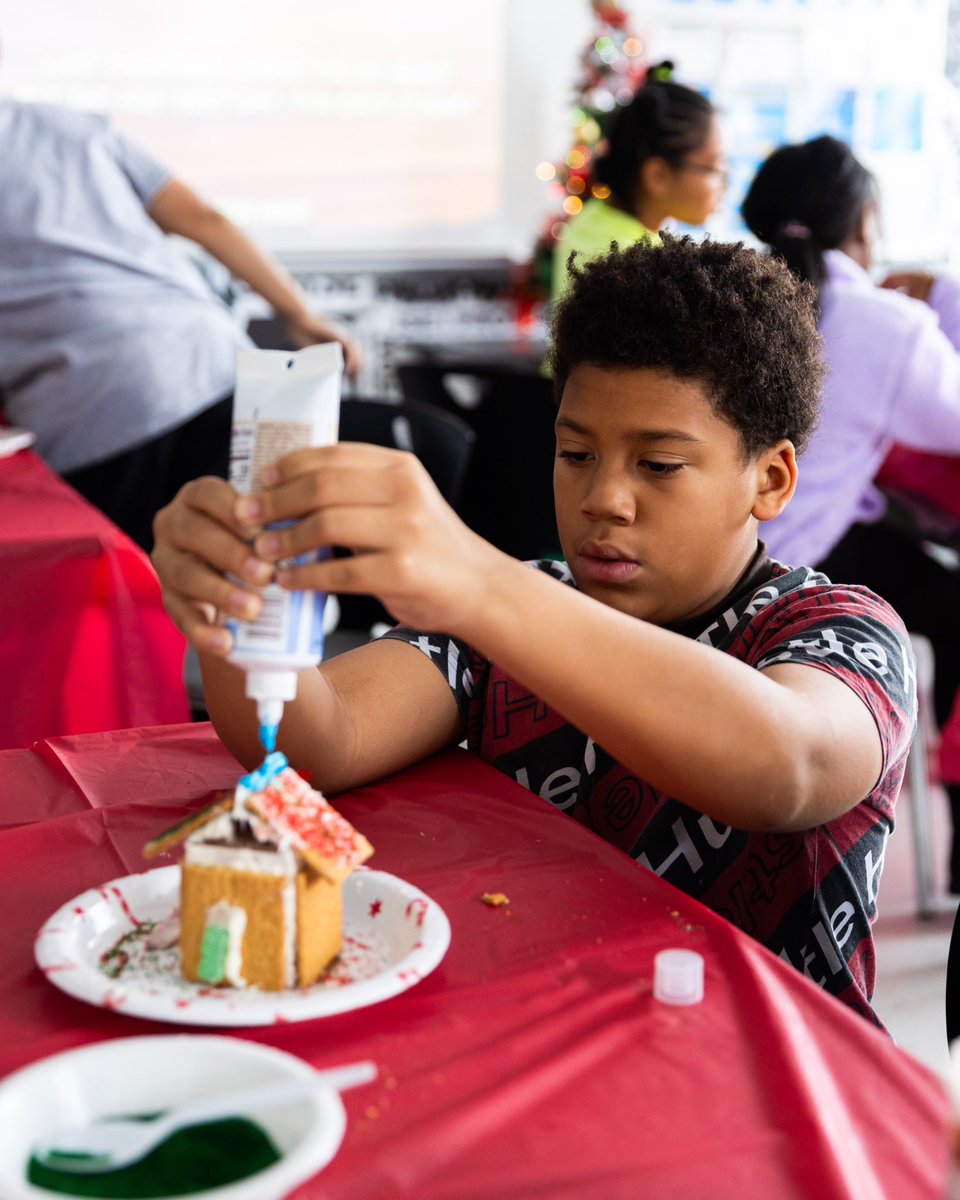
(953, 982)
(442, 441)
(507, 494)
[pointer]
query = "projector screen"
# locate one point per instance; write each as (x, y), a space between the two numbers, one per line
(413, 128)
(401, 126)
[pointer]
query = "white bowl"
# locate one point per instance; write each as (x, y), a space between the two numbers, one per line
(147, 1074)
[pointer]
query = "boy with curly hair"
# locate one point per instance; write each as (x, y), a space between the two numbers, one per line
(738, 726)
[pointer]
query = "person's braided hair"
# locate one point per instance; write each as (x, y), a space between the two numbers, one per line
(737, 321)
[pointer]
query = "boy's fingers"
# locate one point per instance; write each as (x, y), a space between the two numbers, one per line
(361, 455)
(332, 486)
(210, 495)
(193, 623)
(187, 578)
(357, 528)
(361, 574)
(195, 533)
(341, 454)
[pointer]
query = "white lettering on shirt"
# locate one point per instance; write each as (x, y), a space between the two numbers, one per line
(909, 670)
(871, 655)
(873, 869)
(715, 834)
(685, 848)
(590, 756)
(557, 783)
(423, 643)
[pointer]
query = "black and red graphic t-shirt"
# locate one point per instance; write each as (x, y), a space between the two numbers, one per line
(809, 896)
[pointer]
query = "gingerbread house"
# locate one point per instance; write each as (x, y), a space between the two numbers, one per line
(261, 891)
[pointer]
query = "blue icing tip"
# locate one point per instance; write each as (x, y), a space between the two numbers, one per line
(268, 737)
(271, 766)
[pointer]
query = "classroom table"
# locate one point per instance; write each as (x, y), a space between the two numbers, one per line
(534, 1060)
(85, 644)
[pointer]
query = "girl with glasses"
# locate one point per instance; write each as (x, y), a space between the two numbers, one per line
(664, 159)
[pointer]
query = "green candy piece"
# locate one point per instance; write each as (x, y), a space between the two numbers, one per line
(213, 954)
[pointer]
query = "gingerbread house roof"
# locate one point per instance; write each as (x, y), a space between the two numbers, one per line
(286, 811)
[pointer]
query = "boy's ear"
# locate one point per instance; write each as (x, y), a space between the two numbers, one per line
(776, 480)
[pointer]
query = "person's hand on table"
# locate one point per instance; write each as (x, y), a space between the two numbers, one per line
(198, 541)
(916, 284)
(410, 548)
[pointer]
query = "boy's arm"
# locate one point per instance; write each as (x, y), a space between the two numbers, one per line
(179, 210)
(360, 716)
(790, 747)
(787, 748)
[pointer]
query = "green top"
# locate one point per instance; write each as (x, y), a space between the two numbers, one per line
(590, 233)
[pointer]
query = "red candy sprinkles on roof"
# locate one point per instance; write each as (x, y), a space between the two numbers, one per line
(300, 815)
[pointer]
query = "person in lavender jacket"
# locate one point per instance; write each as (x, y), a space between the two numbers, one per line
(893, 358)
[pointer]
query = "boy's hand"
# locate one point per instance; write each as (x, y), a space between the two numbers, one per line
(410, 548)
(197, 541)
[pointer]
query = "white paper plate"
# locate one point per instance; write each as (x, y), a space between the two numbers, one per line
(394, 935)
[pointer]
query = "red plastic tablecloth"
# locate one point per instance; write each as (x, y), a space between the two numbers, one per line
(85, 644)
(935, 477)
(534, 1061)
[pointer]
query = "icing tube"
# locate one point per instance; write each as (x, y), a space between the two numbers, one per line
(284, 401)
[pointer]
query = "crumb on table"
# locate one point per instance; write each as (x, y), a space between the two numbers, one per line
(495, 899)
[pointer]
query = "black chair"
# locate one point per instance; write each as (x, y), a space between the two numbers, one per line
(442, 442)
(507, 494)
(953, 982)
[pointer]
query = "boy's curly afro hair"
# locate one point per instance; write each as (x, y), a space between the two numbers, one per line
(737, 321)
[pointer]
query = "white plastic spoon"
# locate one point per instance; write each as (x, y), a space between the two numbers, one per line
(118, 1141)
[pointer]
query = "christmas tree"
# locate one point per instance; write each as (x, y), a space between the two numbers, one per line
(611, 69)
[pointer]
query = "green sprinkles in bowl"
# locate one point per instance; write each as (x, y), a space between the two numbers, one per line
(190, 1160)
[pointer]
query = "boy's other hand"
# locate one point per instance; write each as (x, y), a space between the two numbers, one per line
(198, 540)
(410, 548)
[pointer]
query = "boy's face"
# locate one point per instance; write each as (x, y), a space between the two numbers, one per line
(654, 499)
